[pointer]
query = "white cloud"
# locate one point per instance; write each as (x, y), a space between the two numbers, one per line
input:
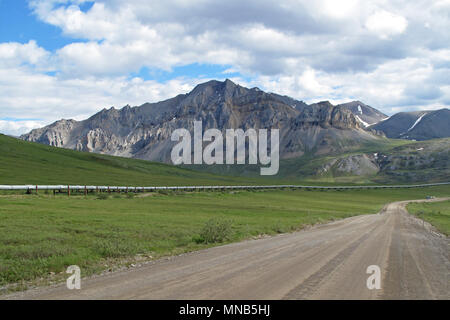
(47, 97)
(340, 9)
(390, 87)
(16, 54)
(386, 24)
(16, 128)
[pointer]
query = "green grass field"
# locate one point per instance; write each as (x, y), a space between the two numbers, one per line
(40, 235)
(436, 213)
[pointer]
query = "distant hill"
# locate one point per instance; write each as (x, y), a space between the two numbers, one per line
(424, 161)
(418, 125)
(418, 161)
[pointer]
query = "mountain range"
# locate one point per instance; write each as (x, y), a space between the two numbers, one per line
(144, 132)
(306, 131)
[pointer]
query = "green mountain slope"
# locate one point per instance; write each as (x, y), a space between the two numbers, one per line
(24, 162)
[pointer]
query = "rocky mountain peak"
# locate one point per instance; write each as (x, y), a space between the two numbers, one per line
(214, 87)
(324, 104)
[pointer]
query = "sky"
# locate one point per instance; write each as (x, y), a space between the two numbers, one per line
(71, 58)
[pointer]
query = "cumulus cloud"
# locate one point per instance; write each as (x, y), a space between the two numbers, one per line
(16, 54)
(379, 52)
(267, 37)
(254, 36)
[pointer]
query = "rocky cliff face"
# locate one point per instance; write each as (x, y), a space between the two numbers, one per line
(144, 132)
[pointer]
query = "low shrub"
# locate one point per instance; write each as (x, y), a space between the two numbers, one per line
(215, 230)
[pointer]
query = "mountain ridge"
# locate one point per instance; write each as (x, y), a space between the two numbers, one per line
(365, 114)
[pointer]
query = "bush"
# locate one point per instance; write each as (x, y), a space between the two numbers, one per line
(103, 196)
(215, 230)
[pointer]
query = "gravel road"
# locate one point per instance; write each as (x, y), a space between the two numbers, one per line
(325, 262)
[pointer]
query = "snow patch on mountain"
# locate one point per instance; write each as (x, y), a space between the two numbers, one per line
(365, 124)
(417, 122)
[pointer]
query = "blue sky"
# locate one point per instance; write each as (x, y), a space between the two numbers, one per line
(71, 58)
(19, 24)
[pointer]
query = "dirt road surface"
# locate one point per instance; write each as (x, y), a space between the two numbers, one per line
(324, 262)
